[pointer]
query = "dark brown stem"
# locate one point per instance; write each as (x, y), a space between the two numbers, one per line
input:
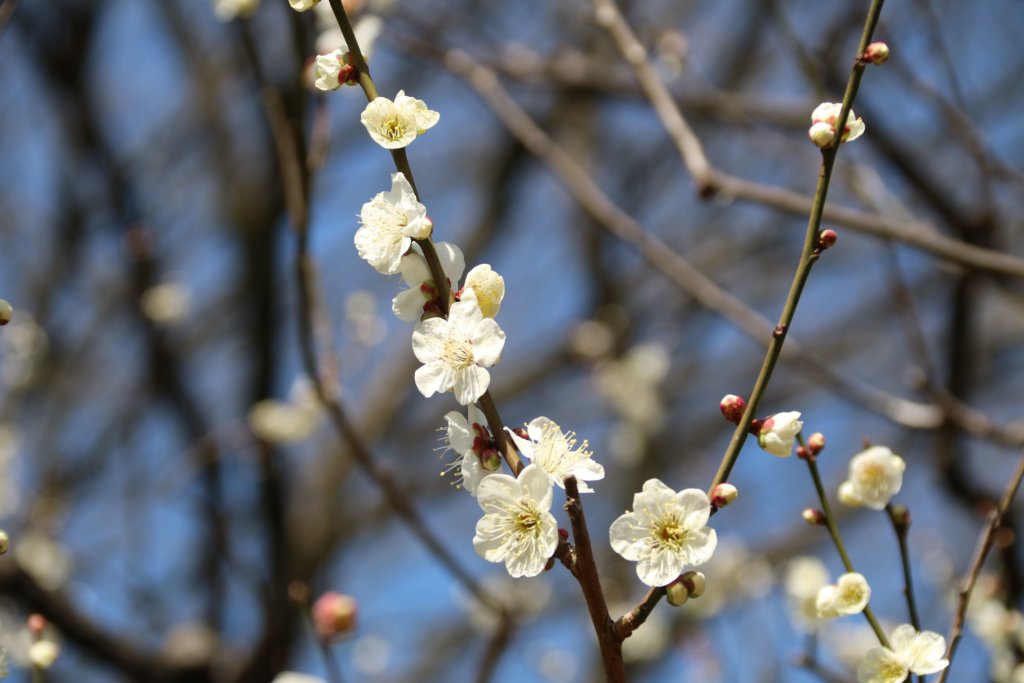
(901, 528)
(590, 583)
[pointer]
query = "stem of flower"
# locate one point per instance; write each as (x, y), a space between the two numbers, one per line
(900, 528)
(807, 257)
(590, 583)
(833, 531)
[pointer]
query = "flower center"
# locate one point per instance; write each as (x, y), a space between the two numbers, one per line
(458, 353)
(669, 533)
(393, 129)
(893, 671)
(527, 521)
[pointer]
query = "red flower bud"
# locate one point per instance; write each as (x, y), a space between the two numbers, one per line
(334, 615)
(732, 408)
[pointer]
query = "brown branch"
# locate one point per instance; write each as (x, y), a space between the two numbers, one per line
(590, 583)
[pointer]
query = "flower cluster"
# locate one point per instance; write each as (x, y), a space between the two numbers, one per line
(823, 125)
(910, 652)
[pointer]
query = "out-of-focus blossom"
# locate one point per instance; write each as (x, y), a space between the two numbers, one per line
(876, 475)
(849, 595)
(805, 576)
(166, 303)
(910, 653)
(226, 10)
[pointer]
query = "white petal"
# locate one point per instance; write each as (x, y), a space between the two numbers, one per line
(428, 339)
(629, 537)
(488, 340)
(433, 379)
(659, 568)
(452, 260)
(537, 484)
(408, 305)
(470, 383)
(697, 506)
(699, 547)
(497, 490)
(460, 433)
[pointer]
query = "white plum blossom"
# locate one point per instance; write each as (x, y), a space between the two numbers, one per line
(910, 652)
(823, 125)
(805, 576)
(466, 435)
(517, 527)
(329, 68)
(665, 533)
(485, 286)
(226, 10)
(390, 222)
(420, 298)
(457, 352)
(395, 124)
(876, 475)
(302, 5)
(555, 452)
(849, 595)
(778, 433)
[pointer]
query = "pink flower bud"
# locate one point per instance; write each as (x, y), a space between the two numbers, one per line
(732, 408)
(563, 535)
(816, 443)
(723, 494)
(827, 239)
(676, 593)
(813, 517)
(334, 615)
(36, 624)
(805, 454)
(877, 53)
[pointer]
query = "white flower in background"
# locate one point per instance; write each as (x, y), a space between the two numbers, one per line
(465, 434)
(823, 124)
(805, 576)
(302, 5)
(395, 124)
(631, 385)
(456, 352)
(486, 287)
(876, 475)
(333, 70)
(849, 595)
(910, 653)
(555, 452)
(292, 677)
(517, 527)
(420, 298)
(226, 10)
(390, 222)
(778, 433)
(42, 654)
(166, 303)
(280, 422)
(665, 533)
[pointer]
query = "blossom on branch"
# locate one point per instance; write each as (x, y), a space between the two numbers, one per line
(302, 5)
(823, 125)
(471, 439)
(486, 287)
(555, 452)
(334, 69)
(456, 352)
(390, 222)
(517, 527)
(910, 652)
(876, 475)
(849, 595)
(420, 298)
(778, 433)
(665, 532)
(395, 124)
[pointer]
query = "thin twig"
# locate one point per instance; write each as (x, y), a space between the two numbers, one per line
(900, 527)
(590, 583)
(985, 541)
(496, 647)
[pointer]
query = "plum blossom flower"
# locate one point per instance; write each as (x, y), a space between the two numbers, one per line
(778, 432)
(665, 532)
(334, 69)
(457, 352)
(395, 124)
(849, 595)
(554, 452)
(517, 527)
(823, 125)
(910, 652)
(226, 10)
(876, 475)
(421, 296)
(469, 437)
(390, 222)
(805, 576)
(302, 5)
(485, 286)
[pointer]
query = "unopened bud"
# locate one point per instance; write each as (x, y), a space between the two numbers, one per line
(813, 517)
(816, 443)
(36, 624)
(676, 593)
(695, 583)
(550, 564)
(756, 426)
(521, 433)
(901, 515)
(563, 535)
(334, 615)
(723, 494)
(827, 239)
(5, 542)
(732, 408)
(804, 454)
(822, 134)
(6, 312)
(877, 53)
(490, 460)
